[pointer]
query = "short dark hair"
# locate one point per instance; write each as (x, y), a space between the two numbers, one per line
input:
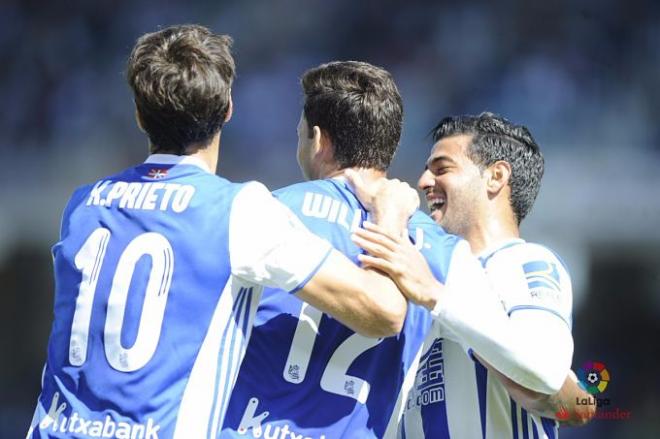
(495, 138)
(358, 105)
(181, 78)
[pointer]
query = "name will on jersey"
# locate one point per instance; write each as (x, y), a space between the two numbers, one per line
(334, 211)
(321, 206)
(145, 196)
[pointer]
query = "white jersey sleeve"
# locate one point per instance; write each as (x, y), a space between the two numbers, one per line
(531, 277)
(268, 244)
(533, 350)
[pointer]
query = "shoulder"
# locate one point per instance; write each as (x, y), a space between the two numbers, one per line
(531, 276)
(421, 219)
(296, 194)
(433, 234)
(252, 189)
(438, 247)
(530, 256)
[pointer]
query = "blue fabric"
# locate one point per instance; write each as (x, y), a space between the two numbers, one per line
(329, 209)
(149, 395)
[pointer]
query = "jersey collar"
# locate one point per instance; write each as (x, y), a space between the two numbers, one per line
(171, 159)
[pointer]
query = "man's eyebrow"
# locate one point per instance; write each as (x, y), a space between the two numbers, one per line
(439, 158)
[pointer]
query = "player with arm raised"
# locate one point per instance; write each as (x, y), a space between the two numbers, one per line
(481, 179)
(159, 268)
(322, 379)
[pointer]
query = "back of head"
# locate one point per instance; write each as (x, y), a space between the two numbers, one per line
(359, 108)
(181, 78)
(495, 138)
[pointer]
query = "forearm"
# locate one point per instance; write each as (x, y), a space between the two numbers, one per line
(366, 301)
(513, 351)
(563, 405)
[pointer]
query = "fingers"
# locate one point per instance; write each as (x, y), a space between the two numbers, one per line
(359, 186)
(374, 248)
(368, 225)
(354, 179)
(377, 238)
(380, 264)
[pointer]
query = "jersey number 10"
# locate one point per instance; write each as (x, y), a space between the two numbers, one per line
(89, 260)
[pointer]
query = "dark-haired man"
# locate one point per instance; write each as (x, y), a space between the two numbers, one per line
(159, 268)
(480, 181)
(305, 374)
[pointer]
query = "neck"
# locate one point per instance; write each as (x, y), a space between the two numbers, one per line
(367, 174)
(209, 153)
(492, 230)
(206, 152)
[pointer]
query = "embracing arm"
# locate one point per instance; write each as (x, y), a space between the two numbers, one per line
(562, 405)
(282, 253)
(532, 347)
(469, 308)
(366, 301)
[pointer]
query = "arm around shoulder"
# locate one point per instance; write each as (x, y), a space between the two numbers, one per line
(366, 301)
(281, 252)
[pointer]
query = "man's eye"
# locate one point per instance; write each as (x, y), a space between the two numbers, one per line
(439, 171)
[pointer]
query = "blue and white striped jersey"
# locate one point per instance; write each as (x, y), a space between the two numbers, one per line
(158, 273)
(456, 397)
(305, 375)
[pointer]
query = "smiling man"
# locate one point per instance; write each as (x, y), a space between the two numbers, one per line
(480, 181)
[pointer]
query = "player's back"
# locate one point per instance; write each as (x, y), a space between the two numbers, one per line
(145, 304)
(306, 374)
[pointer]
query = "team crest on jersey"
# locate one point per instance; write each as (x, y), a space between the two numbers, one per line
(157, 173)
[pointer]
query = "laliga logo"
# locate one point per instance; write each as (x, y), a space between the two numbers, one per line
(594, 377)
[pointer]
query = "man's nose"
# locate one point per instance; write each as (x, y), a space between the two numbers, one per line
(426, 180)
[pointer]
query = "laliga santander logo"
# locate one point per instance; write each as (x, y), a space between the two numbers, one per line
(562, 414)
(594, 377)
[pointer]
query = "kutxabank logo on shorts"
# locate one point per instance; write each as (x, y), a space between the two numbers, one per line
(594, 377)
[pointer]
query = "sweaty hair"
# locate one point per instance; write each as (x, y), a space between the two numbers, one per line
(495, 138)
(181, 79)
(359, 107)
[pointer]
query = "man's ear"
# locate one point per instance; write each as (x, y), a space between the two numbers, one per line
(323, 144)
(230, 110)
(498, 174)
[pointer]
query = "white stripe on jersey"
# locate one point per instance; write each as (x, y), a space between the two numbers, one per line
(461, 392)
(408, 383)
(206, 395)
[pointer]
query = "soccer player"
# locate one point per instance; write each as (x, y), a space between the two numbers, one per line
(159, 268)
(306, 374)
(480, 181)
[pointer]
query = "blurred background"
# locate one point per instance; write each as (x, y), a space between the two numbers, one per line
(583, 75)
